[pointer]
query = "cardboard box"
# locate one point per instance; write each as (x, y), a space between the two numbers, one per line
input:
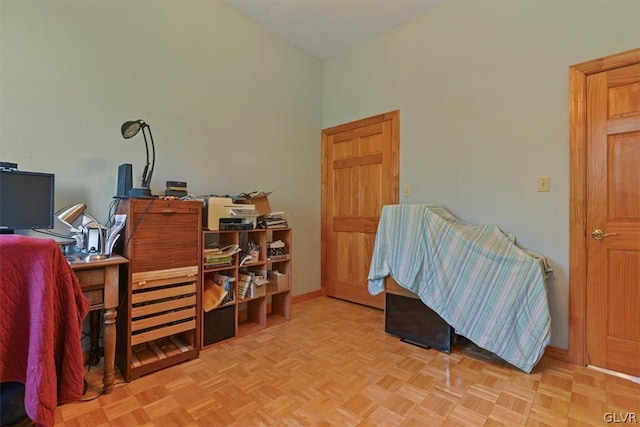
(259, 286)
(258, 291)
(260, 200)
(277, 281)
(251, 285)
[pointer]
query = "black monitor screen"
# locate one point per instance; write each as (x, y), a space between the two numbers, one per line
(26, 200)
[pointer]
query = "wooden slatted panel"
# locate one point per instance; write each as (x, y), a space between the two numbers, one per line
(170, 275)
(146, 285)
(178, 232)
(163, 319)
(162, 332)
(173, 291)
(172, 304)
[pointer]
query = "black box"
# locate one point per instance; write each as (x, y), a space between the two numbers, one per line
(125, 181)
(414, 322)
(177, 185)
(219, 324)
(176, 193)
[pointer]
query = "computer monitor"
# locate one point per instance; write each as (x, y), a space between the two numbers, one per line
(26, 200)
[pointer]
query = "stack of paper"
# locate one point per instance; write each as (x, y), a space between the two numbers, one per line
(274, 220)
(217, 257)
(114, 232)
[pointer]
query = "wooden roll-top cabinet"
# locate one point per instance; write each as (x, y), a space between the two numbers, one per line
(158, 323)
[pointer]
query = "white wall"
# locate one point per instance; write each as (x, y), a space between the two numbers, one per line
(482, 89)
(233, 108)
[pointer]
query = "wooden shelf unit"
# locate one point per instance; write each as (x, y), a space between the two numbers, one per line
(279, 301)
(250, 314)
(158, 322)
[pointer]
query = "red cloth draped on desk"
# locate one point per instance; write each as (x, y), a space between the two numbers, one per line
(42, 308)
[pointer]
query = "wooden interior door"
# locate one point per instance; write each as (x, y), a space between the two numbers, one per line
(613, 219)
(360, 174)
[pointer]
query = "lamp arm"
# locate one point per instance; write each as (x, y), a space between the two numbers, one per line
(101, 254)
(153, 156)
(145, 180)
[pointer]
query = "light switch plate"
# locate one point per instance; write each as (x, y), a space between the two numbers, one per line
(543, 183)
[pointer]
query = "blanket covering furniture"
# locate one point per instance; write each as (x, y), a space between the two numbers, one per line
(473, 276)
(42, 308)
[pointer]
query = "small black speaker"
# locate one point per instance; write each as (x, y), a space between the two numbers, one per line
(124, 180)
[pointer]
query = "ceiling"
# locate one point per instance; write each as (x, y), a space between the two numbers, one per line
(327, 27)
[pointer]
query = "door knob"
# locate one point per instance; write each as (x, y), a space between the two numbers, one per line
(598, 234)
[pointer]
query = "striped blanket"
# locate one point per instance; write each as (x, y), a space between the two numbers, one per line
(474, 277)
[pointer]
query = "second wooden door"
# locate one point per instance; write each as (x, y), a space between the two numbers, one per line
(613, 219)
(360, 174)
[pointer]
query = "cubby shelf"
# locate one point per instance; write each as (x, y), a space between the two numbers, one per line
(271, 305)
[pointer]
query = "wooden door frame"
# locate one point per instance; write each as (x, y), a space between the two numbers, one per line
(394, 117)
(577, 195)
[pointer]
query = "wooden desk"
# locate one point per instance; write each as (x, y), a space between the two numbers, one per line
(99, 282)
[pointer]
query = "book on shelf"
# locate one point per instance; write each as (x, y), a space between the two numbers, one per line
(251, 284)
(219, 257)
(245, 279)
(213, 259)
(209, 266)
(226, 282)
(273, 220)
(230, 294)
(223, 279)
(274, 215)
(243, 289)
(248, 277)
(285, 225)
(282, 223)
(227, 251)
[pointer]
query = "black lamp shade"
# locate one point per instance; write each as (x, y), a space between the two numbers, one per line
(131, 128)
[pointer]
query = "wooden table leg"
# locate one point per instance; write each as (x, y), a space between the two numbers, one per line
(95, 276)
(109, 349)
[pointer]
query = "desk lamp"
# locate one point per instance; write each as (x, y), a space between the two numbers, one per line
(130, 129)
(70, 214)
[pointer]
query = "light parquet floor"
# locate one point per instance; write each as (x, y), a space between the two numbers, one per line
(333, 365)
